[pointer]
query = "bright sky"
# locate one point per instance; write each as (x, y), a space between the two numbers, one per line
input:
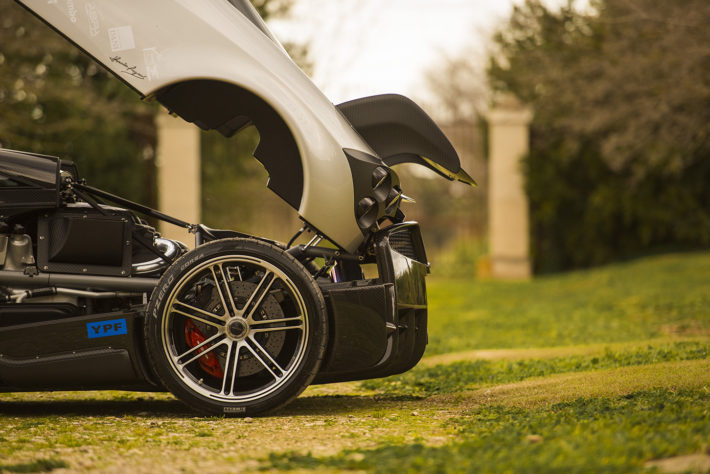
(366, 47)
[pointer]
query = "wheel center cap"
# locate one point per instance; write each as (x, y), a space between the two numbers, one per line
(237, 328)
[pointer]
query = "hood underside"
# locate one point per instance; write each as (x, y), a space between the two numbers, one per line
(214, 63)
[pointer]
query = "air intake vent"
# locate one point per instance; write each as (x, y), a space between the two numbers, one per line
(404, 242)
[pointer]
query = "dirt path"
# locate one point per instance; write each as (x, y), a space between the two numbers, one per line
(154, 436)
(533, 393)
(549, 352)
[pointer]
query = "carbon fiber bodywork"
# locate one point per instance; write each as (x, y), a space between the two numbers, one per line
(379, 327)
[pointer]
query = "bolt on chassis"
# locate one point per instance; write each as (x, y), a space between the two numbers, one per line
(92, 297)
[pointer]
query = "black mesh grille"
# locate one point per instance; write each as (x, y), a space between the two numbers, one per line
(402, 242)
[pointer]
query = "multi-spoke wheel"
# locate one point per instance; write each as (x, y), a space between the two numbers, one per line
(236, 326)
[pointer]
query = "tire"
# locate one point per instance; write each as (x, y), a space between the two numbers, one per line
(236, 327)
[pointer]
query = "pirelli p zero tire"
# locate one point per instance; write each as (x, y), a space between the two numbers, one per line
(236, 327)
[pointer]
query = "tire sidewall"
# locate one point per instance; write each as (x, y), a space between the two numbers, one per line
(312, 299)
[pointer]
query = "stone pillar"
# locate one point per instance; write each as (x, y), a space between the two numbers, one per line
(178, 162)
(508, 222)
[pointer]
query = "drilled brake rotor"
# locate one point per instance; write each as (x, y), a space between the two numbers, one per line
(268, 309)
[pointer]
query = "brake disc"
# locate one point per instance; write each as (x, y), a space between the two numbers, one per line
(269, 308)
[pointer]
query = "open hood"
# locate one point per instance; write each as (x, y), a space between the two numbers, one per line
(214, 63)
(401, 132)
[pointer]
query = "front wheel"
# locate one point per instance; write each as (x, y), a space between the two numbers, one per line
(236, 327)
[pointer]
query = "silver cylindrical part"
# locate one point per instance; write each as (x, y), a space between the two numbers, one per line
(81, 282)
(18, 296)
(167, 247)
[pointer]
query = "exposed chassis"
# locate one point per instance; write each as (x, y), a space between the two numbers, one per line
(92, 297)
(377, 327)
(55, 333)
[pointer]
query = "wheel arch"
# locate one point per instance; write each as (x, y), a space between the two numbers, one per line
(214, 104)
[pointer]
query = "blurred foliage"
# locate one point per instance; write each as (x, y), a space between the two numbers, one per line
(234, 193)
(452, 215)
(221, 170)
(459, 257)
(272, 8)
(620, 154)
(56, 100)
(459, 87)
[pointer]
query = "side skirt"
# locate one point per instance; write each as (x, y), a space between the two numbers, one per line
(95, 352)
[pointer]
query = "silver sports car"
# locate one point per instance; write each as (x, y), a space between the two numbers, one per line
(92, 297)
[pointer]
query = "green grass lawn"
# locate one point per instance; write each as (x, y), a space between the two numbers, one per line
(635, 301)
(586, 435)
(469, 375)
(604, 370)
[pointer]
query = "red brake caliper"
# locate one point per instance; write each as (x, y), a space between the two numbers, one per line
(208, 362)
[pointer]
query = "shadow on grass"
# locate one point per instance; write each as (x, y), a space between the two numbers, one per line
(317, 405)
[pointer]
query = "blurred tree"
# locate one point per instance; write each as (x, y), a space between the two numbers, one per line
(632, 72)
(55, 100)
(272, 8)
(453, 216)
(460, 88)
(621, 93)
(234, 193)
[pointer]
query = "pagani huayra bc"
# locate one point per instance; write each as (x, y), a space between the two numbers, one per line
(92, 297)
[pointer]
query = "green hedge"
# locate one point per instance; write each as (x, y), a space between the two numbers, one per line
(620, 155)
(583, 213)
